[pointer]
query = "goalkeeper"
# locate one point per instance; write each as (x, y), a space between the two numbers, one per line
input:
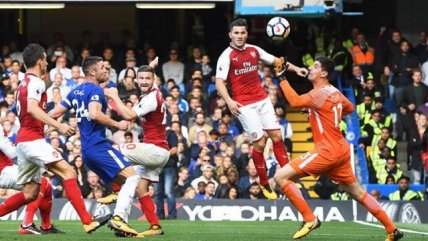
(249, 102)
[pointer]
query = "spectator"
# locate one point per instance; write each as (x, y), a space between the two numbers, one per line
(190, 193)
(61, 68)
(207, 176)
(390, 169)
(131, 63)
(92, 182)
(165, 187)
(16, 69)
(181, 103)
(182, 182)
(416, 94)
(209, 191)
(421, 50)
(403, 192)
(417, 143)
(377, 195)
(233, 193)
(199, 126)
(253, 192)
(58, 82)
(363, 54)
(173, 69)
(251, 177)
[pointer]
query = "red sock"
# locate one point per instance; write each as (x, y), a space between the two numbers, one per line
(46, 204)
(374, 208)
(148, 207)
(75, 196)
(280, 152)
(115, 187)
(12, 203)
(33, 206)
(295, 196)
(259, 162)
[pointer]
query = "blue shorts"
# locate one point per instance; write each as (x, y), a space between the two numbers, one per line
(105, 161)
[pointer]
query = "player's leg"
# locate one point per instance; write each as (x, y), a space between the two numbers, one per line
(349, 184)
(271, 126)
(284, 178)
(72, 190)
(28, 175)
(45, 208)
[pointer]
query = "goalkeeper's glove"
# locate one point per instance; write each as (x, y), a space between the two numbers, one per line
(280, 66)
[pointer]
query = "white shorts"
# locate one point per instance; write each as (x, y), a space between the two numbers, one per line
(32, 157)
(148, 159)
(257, 117)
(8, 178)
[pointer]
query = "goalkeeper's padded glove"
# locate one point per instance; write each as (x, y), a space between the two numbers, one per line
(280, 66)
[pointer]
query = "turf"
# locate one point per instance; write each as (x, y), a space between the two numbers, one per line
(218, 231)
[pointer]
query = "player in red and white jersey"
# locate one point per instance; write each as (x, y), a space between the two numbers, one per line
(33, 152)
(249, 102)
(148, 157)
(8, 180)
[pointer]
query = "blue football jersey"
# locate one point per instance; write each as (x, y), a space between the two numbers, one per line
(91, 132)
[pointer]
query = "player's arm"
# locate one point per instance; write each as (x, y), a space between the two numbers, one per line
(222, 72)
(58, 111)
(280, 64)
(96, 114)
(293, 98)
(6, 146)
(348, 107)
(125, 112)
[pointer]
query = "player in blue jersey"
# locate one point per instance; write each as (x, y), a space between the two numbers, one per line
(90, 104)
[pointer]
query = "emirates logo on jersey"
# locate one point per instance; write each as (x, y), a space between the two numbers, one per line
(247, 68)
(253, 54)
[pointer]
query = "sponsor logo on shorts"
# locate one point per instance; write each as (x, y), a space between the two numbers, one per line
(55, 154)
(254, 134)
(130, 146)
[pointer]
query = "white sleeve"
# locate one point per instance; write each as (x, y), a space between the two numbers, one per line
(147, 104)
(223, 65)
(265, 56)
(35, 89)
(289, 131)
(6, 146)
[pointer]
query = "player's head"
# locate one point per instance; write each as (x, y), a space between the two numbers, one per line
(238, 32)
(35, 56)
(145, 78)
(93, 68)
(322, 69)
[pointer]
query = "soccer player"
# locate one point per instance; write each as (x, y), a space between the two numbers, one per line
(331, 156)
(250, 103)
(90, 104)
(34, 152)
(8, 180)
(151, 155)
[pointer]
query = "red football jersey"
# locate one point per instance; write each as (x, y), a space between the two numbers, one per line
(31, 87)
(152, 115)
(239, 68)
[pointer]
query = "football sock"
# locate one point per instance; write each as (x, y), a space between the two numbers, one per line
(295, 196)
(376, 210)
(12, 203)
(148, 207)
(46, 204)
(259, 162)
(74, 194)
(125, 196)
(33, 206)
(280, 153)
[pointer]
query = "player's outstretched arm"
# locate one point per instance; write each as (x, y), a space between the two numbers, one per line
(125, 112)
(96, 114)
(58, 111)
(293, 98)
(34, 110)
(281, 64)
(348, 107)
(222, 90)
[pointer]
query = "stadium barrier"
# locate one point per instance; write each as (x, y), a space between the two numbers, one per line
(249, 210)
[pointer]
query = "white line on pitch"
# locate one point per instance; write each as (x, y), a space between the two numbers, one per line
(380, 226)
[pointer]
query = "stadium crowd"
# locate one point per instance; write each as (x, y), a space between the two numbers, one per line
(210, 153)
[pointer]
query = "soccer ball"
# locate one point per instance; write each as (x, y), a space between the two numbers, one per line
(278, 28)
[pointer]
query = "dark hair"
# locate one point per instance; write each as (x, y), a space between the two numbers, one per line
(146, 68)
(239, 22)
(32, 53)
(89, 63)
(128, 133)
(175, 87)
(327, 65)
(16, 61)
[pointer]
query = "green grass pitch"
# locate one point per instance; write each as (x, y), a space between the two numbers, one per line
(177, 230)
